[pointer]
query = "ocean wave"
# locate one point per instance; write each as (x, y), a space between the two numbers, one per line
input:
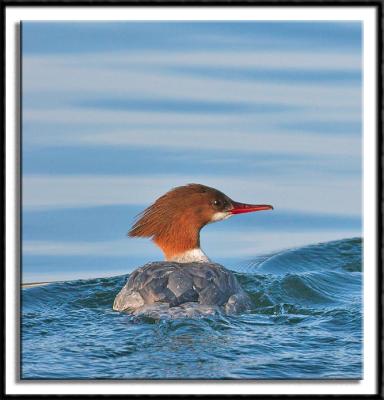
(312, 294)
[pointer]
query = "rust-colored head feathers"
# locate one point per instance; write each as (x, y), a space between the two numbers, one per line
(175, 219)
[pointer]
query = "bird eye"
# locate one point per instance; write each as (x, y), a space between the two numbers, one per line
(217, 203)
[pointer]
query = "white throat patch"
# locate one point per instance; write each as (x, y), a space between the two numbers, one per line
(195, 255)
(220, 216)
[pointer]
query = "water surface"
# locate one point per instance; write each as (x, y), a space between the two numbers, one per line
(305, 323)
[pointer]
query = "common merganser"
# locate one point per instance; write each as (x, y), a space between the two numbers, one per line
(187, 283)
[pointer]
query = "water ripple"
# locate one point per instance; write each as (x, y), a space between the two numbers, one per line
(305, 322)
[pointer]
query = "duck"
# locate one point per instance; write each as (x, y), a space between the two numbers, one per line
(187, 283)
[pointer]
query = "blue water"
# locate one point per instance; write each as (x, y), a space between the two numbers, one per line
(305, 323)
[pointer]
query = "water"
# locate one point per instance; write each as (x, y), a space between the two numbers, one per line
(305, 323)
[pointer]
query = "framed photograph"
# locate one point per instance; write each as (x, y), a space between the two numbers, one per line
(192, 199)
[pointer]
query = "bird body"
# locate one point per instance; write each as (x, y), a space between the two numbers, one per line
(181, 289)
(187, 280)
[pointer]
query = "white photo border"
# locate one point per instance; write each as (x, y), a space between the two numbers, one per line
(369, 16)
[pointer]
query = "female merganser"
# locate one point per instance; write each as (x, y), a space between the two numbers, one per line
(187, 283)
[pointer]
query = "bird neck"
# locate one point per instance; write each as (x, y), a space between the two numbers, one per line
(194, 255)
(181, 243)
